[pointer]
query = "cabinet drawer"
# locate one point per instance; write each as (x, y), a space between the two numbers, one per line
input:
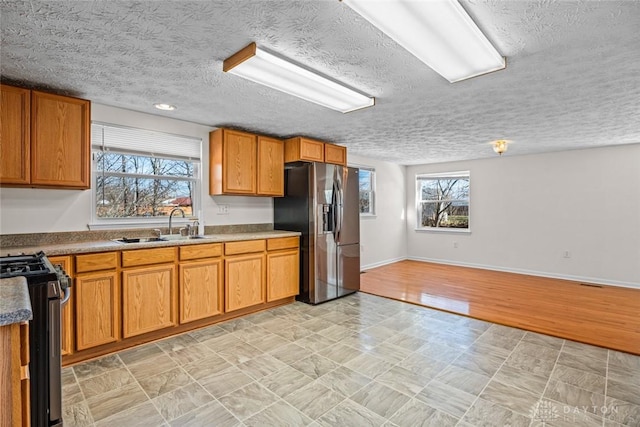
(148, 256)
(210, 250)
(244, 247)
(282, 243)
(96, 262)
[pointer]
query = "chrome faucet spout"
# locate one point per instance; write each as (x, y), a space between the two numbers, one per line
(171, 217)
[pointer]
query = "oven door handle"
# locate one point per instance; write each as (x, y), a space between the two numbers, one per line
(67, 295)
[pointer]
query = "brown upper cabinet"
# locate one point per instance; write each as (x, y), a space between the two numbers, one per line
(270, 166)
(335, 154)
(16, 113)
(311, 150)
(243, 163)
(303, 149)
(45, 140)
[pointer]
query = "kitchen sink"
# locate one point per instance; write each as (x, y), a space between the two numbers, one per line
(140, 240)
(180, 237)
(162, 238)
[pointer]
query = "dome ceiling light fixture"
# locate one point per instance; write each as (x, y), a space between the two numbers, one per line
(439, 33)
(500, 146)
(165, 107)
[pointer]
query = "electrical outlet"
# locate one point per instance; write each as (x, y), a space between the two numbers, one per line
(455, 245)
(566, 254)
(223, 209)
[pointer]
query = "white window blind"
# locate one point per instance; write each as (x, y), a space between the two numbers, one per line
(108, 137)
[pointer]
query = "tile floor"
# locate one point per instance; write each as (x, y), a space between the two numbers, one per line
(358, 361)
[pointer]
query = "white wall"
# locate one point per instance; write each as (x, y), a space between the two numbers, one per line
(383, 236)
(27, 210)
(527, 210)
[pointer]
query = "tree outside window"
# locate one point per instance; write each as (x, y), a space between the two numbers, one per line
(443, 201)
(141, 174)
(134, 186)
(366, 178)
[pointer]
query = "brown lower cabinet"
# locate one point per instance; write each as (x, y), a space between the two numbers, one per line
(15, 409)
(149, 290)
(96, 300)
(244, 281)
(97, 309)
(148, 299)
(244, 274)
(201, 282)
(201, 289)
(283, 268)
(124, 298)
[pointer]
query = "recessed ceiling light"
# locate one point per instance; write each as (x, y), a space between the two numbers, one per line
(165, 107)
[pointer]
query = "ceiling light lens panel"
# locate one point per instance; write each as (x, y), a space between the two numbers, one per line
(272, 71)
(438, 32)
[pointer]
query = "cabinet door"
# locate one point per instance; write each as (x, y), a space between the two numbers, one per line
(25, 381)
(60, 141)
(200, 290)
(67, 310)
(12, 396)
(283, 274)
(14, 143)
(244, 281)
(233, 162)
(97, 309)
(335, 154)
(311, 150)
(303, 149)
(270, 167)
(148, 299)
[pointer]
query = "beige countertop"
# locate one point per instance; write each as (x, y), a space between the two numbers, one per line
(15, 305)
(110, 245)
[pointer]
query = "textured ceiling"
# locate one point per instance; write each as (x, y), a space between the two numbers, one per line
(572, 79)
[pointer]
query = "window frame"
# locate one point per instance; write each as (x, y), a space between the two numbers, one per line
(140, 221)
(372, 192)
(419, 202)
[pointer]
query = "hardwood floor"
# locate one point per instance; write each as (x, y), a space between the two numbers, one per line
(605, 316)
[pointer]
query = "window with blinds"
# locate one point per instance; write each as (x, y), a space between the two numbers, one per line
(442, 201)
(142, 174)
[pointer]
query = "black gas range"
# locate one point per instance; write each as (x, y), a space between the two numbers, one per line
(49, 290)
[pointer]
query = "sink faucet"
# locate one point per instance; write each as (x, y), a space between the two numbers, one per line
(171, 217)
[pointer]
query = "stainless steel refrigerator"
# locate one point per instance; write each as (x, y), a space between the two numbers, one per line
(321, 201)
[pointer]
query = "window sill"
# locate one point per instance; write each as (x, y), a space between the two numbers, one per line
(444, 230)
(363, 215)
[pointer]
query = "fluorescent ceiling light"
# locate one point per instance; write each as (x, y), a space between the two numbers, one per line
(438, 32)
(273, 71)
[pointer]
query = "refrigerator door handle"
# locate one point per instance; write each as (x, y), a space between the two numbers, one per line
(338, 209)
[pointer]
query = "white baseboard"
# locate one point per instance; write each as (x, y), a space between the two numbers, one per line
(381, 263)
(594, 280)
